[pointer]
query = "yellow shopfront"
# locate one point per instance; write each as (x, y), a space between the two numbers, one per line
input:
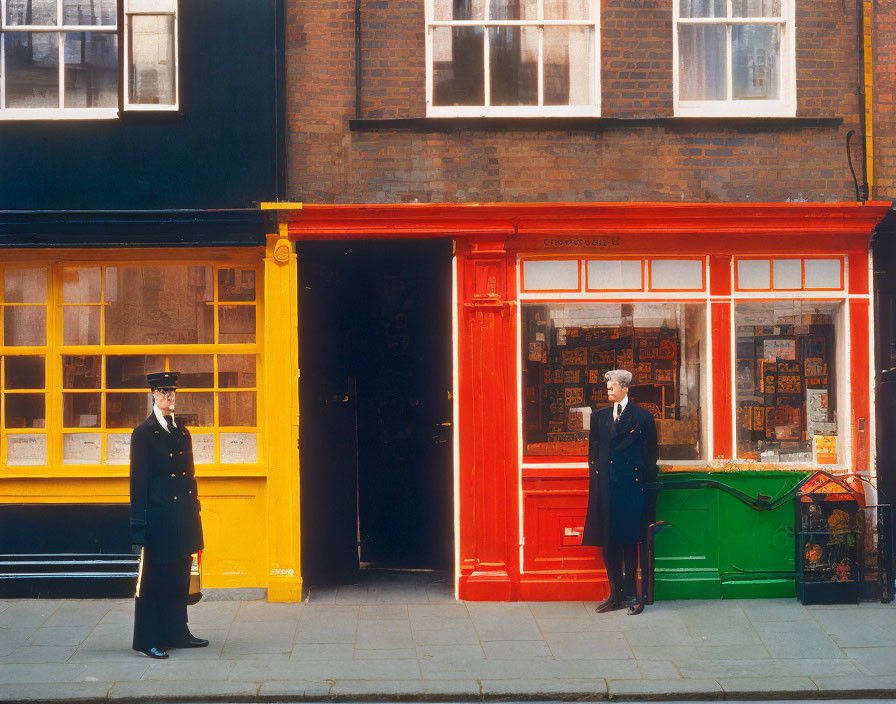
(82, 327)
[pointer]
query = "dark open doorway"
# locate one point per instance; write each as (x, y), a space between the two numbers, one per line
(375, 430)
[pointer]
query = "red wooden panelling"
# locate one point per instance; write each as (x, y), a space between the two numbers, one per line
(721, 379)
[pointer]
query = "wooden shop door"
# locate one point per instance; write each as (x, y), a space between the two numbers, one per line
(376, 450)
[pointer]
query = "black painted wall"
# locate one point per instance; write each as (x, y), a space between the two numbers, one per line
(219, 152)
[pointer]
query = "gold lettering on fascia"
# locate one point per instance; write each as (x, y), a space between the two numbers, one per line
(582, 242)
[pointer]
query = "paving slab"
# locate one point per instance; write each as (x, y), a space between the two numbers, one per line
(337, 670)
(113, 671)
(503, 621)
(35, 673)
(658, 670)
(70, 692)
(696, 689)
(59, 635)
(558, 609)
(878, 661)
(516, 649)
(758, 610)
(544, 690)
(151, 691)
(264, 611)
(383, 633)
(597, 646)
(837, 687)
(386, 654)
(316, 652)
(259, 637)
(327, 623)
(808, 639)
(173, 671)
(767, 687)
(406, 690)
(12, 638)
(292, 690)
(388, 612)
(41, 653)
(78, 613)
(27, 613)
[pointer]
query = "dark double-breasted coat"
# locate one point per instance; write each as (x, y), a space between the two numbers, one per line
(165, 521)
(164, 501)
(622, 475)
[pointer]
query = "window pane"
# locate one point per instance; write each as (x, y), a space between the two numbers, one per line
(567, 349)
(25, 286)
(703, 8)
(551, 275)
(89, 12)
(615, 275)
(24, 373)
(32, 70)
(236, 324)
(118, 448)
(129, 371)
(676, 274)
(568, 53)
(91, 70)
(127, 410)
(81, 372)
(81, 325)
(151, 74)
(788, 273)
(823, 273)
(236, 371)
(459, 9)
(30, 12)
(458, 77)
(196, 409)
(755, 8)
(81, 448)
(567, 9)
(236, 285)
(701, 62)
(196, 371)
(237, 448)
(513, 57)
(754, 274)
(26, 449)
(159, 305)
(236, 409)
(25, 411)
(513, 9)
(152, 5)
(81, 284)
(756, 52)
(81, 410)
(785, 377)
(25, 326)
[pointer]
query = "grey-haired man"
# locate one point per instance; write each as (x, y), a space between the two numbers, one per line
(622, 472)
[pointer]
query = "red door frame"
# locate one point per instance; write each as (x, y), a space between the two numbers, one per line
(488, 239)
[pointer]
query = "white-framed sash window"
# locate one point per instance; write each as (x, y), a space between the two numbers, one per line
(79, 59)
(505, 58)
(734, 58)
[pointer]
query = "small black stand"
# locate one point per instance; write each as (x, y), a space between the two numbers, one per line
(645, 559)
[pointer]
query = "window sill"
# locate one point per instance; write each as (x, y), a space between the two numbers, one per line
(585, 124)
(110, 115)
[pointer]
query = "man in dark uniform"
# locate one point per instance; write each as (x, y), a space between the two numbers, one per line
(164, 522)
(622, 454)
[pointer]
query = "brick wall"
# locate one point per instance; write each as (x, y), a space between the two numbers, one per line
(661, 160)
(883, 48)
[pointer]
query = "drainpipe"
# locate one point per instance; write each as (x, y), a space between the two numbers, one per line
(860, 38)
(358, 59)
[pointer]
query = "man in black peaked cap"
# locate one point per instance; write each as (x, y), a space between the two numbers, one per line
(164, 523)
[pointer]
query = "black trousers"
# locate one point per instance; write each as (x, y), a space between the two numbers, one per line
(160, 612)
(621, 561)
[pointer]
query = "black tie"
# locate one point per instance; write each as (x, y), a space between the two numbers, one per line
(170, 421)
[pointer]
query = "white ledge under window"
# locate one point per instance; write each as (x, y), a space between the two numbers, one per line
(60, 114)
(735, 108)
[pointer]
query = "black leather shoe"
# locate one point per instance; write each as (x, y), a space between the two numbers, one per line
(192, 642)
(611, 604)
(155, 653)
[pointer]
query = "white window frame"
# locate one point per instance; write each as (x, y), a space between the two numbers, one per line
(62, 112)
(783, 107)
(126, 61)
(540, 110)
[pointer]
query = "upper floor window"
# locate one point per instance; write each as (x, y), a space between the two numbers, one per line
(734, 58)
(512, 57)
(71, 58)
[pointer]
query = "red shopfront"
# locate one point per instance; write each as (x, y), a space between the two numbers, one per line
(740, 322)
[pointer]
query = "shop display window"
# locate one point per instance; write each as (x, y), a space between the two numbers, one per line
(786, 358)
(568, 347)
(72, 392)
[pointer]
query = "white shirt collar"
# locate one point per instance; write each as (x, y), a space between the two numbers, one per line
(621, 405)
(161, 418)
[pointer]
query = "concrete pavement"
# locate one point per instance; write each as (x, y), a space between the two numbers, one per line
(390, 642)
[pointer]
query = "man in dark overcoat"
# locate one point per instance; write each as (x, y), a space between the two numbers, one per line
(164, 523)
(622, 472)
